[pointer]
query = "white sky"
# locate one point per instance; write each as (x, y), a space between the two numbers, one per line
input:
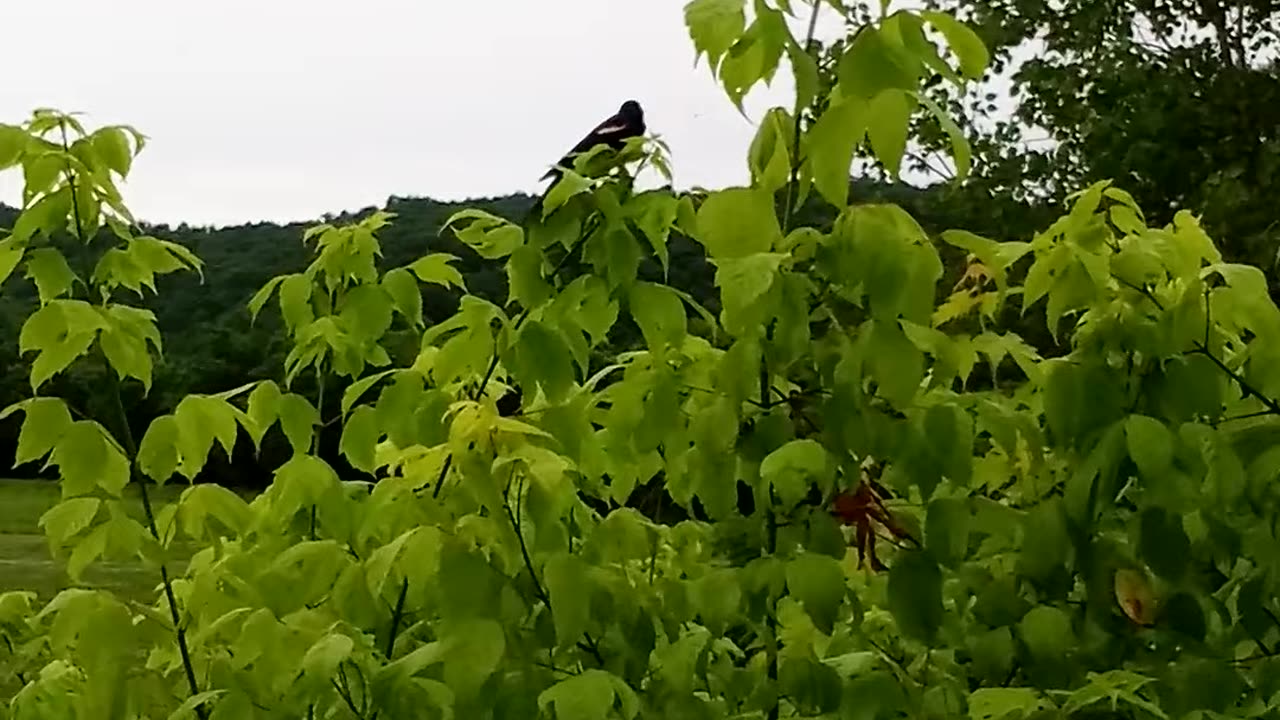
(286, 109)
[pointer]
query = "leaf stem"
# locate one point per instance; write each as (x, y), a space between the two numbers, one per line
(789, 208)
(590, 645)
(766, 397)
(1201, 347)
(179, 631)
(396, 616)
(493, 361)
(126, 436)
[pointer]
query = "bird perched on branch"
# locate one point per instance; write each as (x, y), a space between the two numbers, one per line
(627, 123)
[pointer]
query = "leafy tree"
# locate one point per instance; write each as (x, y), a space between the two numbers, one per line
(866, 533)
(1179, 101)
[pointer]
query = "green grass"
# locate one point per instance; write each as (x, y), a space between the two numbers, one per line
(25, 560)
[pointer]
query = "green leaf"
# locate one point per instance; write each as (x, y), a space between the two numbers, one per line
(569, 185)
(87, 459)
(62, 332)
(588, 695)
(298, 420)
(158, 455)
(264, 409)
(660, 314)
(754, 56)
(187, 709)
(436, 268)
(718, 599)
(295, 301)
(655, 213)
(41, 170)
(961, 150)
(112, 144)
(490, 236)
(888, 120)
(947, 530)
(998, 703)
(964, 42)
(744, 282)
(524, 277)
(915, 595)
(714, 25)
(125, 341)
(897, 364)
(873, 696)
(794, 467)
(360, 436)
(993, 653)
(770, 154)
(321, 660)
(66, 519)
(46, 420)
(366, 312)
(567, 584)
(873, 63)
(476, 647)
(1045, 540)
(353, 392)
(814, 686)
(14, 140)
(677, 662)
(543, 358)
(805, 69)
(1150, 445)
(738, 222)
(405, 295)
(205, 500)
(11, 253)
(1047, 633)
(199, 421)
(49, 269)
(818, 582)
(832, 141)
(260, 298)
(92, 547)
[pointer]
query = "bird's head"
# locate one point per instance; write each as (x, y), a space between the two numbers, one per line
(631, 110)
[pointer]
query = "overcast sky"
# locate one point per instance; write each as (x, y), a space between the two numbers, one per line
(286, 109)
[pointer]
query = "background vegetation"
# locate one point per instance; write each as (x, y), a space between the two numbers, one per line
(1002, 447)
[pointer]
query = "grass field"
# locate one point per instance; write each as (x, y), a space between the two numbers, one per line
(25, 560)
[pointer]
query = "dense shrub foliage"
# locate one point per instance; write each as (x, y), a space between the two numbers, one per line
(849, 492)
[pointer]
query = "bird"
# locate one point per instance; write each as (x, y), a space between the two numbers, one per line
(627, 123)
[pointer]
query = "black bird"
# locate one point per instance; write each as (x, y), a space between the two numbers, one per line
(627, 123)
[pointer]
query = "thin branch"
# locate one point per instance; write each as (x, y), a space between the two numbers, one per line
(524, 548)
(789, 208)
(1273, 407)
(590, 645)
(396, 616)
(1202, 348)
(346, 698)
(1246, 416)
(132, 448)
(179, 631)
(493, 362)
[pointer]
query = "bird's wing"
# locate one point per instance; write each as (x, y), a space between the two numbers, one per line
(615, 125)
(612, 126)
